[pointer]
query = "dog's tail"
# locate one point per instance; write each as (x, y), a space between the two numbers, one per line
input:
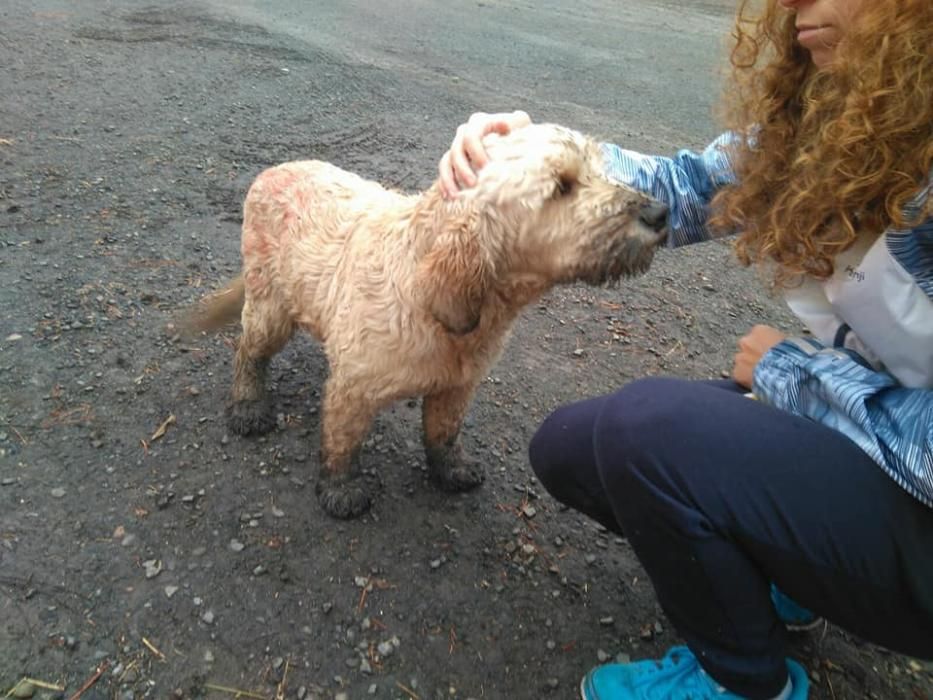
(217, 310)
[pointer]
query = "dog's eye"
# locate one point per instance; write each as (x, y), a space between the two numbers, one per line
(564, 186)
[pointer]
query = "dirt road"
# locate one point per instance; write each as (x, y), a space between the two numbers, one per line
(138, 537)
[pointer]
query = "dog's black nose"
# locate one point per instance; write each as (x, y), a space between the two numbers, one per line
(654, 215)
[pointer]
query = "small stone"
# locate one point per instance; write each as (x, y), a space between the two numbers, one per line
(8, 481)
(341, 696)
(259, 570)
(170, 591)
(590, 558)
(435, 563)
(529, 511)
(528, 549)
(385, 649)
(23, 689)
(277, 662)
(558, 542)
(208, 617)
(277, 513)
(153, 567)
(579, 352)
(551, 645)
(365, 667)
(236, 546)
(209, 656)
(128, 540)
(552, 683)
(602, 656)
(57, 492)
(606, 621)
(327, 607)
(623, 658)
(372, 689)
(302, 691)
(13, 337)
(131, 676)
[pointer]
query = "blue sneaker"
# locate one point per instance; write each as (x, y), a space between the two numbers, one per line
(794, 617)
(678, 676)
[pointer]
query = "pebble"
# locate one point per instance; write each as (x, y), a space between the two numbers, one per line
(341, 696)
(552, 683)
(277, 662)
(58, 492)
(208, 617)
(302, 691)
(277, 513)
(372, 689)
(23, 689)
(128, 540)
(590, 558)
(209, 656)
(623, 658)
(365, 667)
(236, 546)
(602, 656)
(153, 568)
(170, 591)
(385, 649)
(606, 621)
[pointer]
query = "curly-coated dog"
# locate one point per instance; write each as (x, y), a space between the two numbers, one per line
(413, 295)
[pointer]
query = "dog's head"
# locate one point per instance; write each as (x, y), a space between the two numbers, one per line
(542, 207)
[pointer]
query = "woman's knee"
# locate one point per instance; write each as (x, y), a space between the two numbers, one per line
(547, 451)
(636, 422)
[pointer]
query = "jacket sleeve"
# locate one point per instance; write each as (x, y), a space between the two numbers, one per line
(837, 388)
(686, 182)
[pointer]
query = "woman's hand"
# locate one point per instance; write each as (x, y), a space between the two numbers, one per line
(752, 347)
(458, 167)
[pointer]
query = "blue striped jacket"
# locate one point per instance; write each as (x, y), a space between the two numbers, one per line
(837, 380)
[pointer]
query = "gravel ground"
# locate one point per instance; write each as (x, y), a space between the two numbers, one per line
(145, 551)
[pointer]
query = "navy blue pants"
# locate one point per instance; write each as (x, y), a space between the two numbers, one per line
(720, 495)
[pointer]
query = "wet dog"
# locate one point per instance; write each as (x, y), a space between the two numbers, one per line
(414, 295)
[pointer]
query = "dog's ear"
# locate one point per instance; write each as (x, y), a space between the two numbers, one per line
(453, 276)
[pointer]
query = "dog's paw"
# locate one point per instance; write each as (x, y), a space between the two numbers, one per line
(251, 417)
(457, 474)
(345, 498)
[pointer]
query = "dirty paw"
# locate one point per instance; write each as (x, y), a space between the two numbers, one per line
(343, 498)
(250, 417)
(455, 475)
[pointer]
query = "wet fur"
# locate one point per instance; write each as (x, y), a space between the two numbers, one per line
(414, 295)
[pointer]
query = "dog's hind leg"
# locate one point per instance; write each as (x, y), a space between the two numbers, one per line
(442, 415)
(347, 416)
(265, 332)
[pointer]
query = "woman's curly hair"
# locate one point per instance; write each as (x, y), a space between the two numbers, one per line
(827, 154)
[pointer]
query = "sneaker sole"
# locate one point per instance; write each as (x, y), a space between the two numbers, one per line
(806, 626)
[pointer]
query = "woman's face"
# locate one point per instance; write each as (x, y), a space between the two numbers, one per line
(821, 25)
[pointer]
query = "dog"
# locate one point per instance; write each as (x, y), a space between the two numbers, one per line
(413, 295)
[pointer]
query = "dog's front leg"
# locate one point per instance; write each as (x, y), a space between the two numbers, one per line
(348, 414)
(442, 415)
